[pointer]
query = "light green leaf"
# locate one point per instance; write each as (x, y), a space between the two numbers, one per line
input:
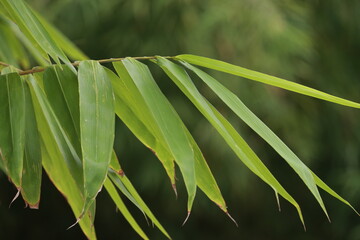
(130, 108)
(148, 133)
(232, 101)
(56, 133)
(55, 160)
(11, 51)
(264, 78)
(12, 124)
(129, 191)
(170, 125)
(226, 130)
(123, 209)
(32, 170)
(61, 88)
(97, 126)
(61, 40)
(27, 21)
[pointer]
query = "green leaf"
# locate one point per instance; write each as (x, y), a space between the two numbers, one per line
(264, 78)
(226, 130)
(235, 104)
(61, 88)
(55, 133)
(132, 110)
(167, 119)
(32, 170)
(126, 187)
(12, 125)
(27, 21)
(61, 40)
(123, 209)
(55, 159)
(11, 51)
(148, 133)
(97, 126)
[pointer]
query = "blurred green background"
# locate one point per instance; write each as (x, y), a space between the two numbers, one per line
(316, 43)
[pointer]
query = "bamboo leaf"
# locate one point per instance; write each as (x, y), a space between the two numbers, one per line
(264, 78)
(61, 88)
(126, 187)
(12, 124)
(61, 40)
(123, 209)
(56, 157)
(97, 126)
(234, 103)
(140, 124)
(55, 133)
(30, 25)
(132, 110)
(32, 169)
(166, 118)
(11, 51)
(225, 129)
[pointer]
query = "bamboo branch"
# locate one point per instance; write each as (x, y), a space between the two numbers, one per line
(76, 63)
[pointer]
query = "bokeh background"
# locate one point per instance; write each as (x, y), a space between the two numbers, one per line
(316, 43)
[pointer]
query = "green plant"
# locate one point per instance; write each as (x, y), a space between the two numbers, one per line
(61, 117)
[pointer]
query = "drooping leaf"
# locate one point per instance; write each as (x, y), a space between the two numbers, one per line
(118, 177)
(132, 110)
(61, 88)
(123, 209)
(97, 126)
(12, 124)
(27, 21)
(30, 45)
(141, 124)
(56, 133)
(232, 101)
(61, 40)
(11, 51)
(166, 118)
(225, 129)
(32, 167)
(56, 157)
(264, 78)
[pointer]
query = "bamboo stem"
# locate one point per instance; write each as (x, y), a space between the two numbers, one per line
(76, 63)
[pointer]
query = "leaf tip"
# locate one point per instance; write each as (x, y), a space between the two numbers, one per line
(175, 190)
(15, 197)
(232, 219)
(187, 218)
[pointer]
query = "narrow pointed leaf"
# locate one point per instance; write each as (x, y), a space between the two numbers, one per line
(61, 88)
(264, 78)
(56, 133)
(32, 170)
(31, 25)
(130, 108)
(61, 40)
(232, 101)
(123, 209)
(55, 162)
(141, 125)
(225, 129)
(166, 118)
(12, 123)
(141, 203)
(97, 126)
(118, 175)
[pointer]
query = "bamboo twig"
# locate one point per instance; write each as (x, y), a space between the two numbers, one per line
(76, 63)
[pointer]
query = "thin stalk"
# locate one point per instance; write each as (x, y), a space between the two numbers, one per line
(76, 63)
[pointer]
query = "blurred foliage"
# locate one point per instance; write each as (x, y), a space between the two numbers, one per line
(316, 43)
